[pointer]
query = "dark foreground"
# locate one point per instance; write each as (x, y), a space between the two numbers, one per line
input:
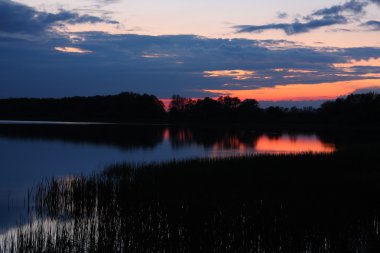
(304, 203)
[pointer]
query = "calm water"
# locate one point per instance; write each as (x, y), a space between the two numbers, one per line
(36, 151)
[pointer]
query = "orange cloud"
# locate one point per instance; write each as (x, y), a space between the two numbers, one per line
(377, 75)
(236, 74)
(299, 92)
(372, 62)
(74, 50)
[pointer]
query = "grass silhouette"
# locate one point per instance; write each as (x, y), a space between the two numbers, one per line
(269, 203)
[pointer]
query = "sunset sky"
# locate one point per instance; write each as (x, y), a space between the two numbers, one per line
(273, 50)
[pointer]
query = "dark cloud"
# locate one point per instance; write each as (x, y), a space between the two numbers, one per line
(334, 15)
(351, 6)
(375, 1)
(19, 18)
(176, 65)
(373, 25)
(296, 27)
(282, 15)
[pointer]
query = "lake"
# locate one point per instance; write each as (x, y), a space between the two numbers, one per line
(97, 187)
(34, 151)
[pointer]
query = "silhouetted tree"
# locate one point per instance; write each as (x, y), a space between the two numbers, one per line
(123, 107)
(355, 108)
(127, 107)
(180, 105)
(229, 102)
(249, 105)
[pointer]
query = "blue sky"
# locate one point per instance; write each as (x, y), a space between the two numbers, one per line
(269, 50)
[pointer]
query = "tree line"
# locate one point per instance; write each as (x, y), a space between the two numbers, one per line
(123, 107)
(353, 109)
(132, 107)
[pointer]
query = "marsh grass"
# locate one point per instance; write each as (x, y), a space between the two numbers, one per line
(300, 203)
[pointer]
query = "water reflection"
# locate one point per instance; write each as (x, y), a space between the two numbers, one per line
(292, 144)
(33, 152)
(262, 208)
(210, 140)
(247, 142)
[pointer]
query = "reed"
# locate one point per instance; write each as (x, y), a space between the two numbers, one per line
(270, 203)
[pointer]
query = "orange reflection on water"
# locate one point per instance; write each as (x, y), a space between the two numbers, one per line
(231, 146)
(238, 144)
(292, 145)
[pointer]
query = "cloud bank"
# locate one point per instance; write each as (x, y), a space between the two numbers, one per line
(295, 27)
(94, 63)
(19, 18)
(325, 17)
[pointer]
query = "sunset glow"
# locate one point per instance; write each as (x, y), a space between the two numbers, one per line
(299, 92)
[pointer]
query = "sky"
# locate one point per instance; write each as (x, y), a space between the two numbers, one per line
(273, 50)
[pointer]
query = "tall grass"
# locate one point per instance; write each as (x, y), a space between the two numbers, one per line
(303, 203)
